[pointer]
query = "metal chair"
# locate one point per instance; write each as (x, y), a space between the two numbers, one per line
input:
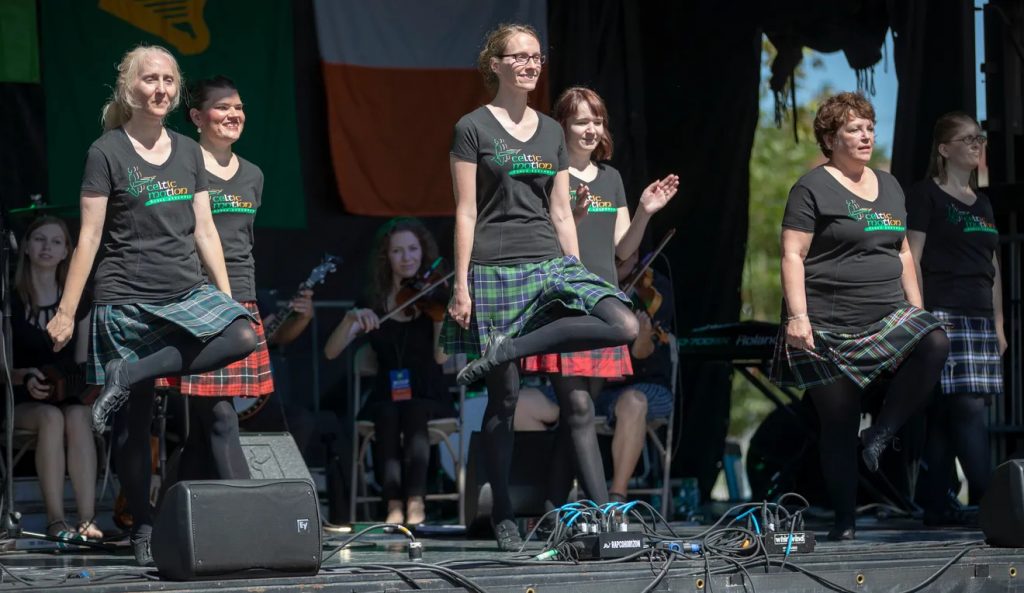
(440, 431)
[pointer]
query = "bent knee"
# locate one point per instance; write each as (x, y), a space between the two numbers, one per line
(77, 418)
(631, 403)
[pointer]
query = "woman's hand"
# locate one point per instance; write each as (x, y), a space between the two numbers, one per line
(60, 329)
(658, 193)
(1001, 338)
(799, 334)
(460, 308)
(363, 320)
(35, 382)
(582, 205)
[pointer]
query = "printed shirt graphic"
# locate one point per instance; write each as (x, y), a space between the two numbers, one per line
(147, 252)
(852, 270)
(596, 231)
(513, 185)
(234, 203)
(960, 240)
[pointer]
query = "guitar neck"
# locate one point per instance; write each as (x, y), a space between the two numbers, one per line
(284, 312)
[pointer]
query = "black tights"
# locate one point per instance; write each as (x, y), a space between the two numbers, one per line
(212, 437)
(576, 433)
(839, 406)
(187, 355)
(132, 453)
(957, 428)
(610, 323)
(401, 449)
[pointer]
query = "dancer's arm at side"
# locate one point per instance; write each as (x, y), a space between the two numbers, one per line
(94, 212)
(464, 185)
(911, 288)
(917, 239)
(997, 304)
(561, 215)
(795, 244)
(208, 242)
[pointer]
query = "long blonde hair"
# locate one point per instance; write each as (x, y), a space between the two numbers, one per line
(23, 274)
(118, 109)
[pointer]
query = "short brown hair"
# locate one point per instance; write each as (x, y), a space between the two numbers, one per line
(494, 46)
(835, 112)
(569, 102)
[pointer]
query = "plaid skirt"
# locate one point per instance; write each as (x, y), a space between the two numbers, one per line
(860, 356)
(136, 331)
(249, 377)
(974, 364)
(517, 299)
(607, 363)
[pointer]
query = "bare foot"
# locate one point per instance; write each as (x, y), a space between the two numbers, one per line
(395, 514)
(414, 511)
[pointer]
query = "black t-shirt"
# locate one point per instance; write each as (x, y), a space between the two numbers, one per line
(407, 345)
(513, 186)
(596, 231)
(852, 270)
(233, 203)
(956, 265)
(148, 251)
(32, 344)
(657, 368)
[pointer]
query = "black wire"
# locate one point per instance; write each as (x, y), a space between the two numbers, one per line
(401, 529)
(404, 575)
(661, 575)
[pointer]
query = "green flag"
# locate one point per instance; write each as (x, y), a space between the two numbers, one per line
(245, 40)
(19, 46)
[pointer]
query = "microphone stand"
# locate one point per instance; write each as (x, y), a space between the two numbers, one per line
(10, 522)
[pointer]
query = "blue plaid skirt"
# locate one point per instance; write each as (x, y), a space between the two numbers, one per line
(517, 299)
(860, 357)
(974, 364)
(136, 331)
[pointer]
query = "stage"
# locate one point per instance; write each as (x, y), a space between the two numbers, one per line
(889, 555)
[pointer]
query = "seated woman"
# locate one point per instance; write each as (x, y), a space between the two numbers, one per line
(409, 389)
(46, 400)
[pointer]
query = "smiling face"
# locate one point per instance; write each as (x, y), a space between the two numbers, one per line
(404, 255)
(512, 75)
(156, 86)
(584, 130)
(855, 140)
(221, 118)
(47, 247)
(961, 154)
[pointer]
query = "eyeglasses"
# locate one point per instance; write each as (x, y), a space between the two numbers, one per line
(969, 140)
(523, 59)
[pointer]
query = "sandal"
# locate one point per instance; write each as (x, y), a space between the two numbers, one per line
(90, 530)
(65, 535)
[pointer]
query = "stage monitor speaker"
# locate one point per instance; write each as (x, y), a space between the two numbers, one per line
(532, 457)
(274, 456)
(237, 529)
(1002, 508)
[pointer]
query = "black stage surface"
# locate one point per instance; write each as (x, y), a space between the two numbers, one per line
(893, 555)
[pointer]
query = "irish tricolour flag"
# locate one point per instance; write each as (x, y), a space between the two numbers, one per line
(398, 75)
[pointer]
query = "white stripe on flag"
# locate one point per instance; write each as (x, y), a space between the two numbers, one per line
(416, 34)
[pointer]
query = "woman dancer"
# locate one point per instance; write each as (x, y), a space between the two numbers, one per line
(526, 291)
(146, 212)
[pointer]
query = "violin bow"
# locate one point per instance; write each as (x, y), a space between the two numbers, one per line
(648, 260)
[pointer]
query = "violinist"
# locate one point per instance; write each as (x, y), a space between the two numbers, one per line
(409, 389)
(604, 230)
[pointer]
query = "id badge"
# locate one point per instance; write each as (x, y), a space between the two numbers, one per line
(401, 388)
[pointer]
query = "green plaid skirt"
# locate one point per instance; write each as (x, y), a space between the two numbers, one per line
(860, 356)
(136, 331)
(519, 298)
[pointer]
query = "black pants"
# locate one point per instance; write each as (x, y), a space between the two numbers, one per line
(401, 448)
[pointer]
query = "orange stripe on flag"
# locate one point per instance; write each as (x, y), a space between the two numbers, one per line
(391, 131)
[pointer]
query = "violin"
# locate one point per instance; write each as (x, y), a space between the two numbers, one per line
(639, 286)
(423, 294)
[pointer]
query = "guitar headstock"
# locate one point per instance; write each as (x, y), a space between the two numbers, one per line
(328, 265)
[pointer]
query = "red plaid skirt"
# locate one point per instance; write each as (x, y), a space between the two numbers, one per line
(607, 363)
(249, 377)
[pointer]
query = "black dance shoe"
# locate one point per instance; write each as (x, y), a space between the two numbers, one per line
(115, 392)
(875, 439)
(498, 351)
(841, 534)
(140, 546)
(507, 535)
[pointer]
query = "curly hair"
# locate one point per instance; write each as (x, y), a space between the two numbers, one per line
(835, 112)
(379, 273)
(565, 108)
(494, 46)
(946, 128)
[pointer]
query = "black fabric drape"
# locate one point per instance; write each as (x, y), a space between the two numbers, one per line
(23, 148)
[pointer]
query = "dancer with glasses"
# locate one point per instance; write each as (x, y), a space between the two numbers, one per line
(519, 288)
(953, 236)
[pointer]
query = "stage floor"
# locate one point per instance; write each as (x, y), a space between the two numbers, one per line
(891, 556)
